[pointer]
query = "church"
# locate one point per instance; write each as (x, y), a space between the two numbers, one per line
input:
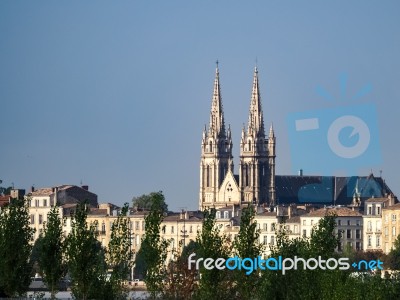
(255, 184)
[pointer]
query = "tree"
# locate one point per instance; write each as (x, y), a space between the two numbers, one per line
(154, 248)
(145, 202)
(15, 248)
(51, 251)
(86, 257)
(212, 244)
(393, 258)
(246, 245)
(119, 254)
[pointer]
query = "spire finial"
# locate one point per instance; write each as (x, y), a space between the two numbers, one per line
(216, 63)
(255, 67)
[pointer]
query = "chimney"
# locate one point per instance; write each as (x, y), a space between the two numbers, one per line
(301, 172)
(32, 189)
(85, 187)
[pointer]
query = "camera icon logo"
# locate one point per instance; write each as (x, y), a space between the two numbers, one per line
(338, 140)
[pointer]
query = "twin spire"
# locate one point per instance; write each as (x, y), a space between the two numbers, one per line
(256, 120)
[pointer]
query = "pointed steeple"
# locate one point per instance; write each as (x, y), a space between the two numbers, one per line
(271, 131)
(217, 122)
(256, 120)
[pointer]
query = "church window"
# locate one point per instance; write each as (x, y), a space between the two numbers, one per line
(249, 143)
(208, 176)
(211, 146)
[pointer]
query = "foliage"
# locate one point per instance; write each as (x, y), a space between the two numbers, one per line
(51, 251)
(15, 248)
(86, 258)
(147, 202)
(119, 254)
(393, 258)
(247, 245)
(154, 248)
(212, 244)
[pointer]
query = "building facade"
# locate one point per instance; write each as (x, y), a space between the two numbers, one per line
(255, 183)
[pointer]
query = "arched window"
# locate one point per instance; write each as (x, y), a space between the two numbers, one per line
(249, 143)
(218, 215)
(226, 214)
(210, 146)
(246, 175)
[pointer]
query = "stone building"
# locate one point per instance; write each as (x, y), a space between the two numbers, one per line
(254, 184)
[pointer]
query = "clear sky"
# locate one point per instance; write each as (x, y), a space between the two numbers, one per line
(116, 93)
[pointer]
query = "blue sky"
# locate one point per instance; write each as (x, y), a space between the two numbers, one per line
(116, 94)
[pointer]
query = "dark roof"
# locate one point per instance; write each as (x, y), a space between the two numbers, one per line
(327, 190)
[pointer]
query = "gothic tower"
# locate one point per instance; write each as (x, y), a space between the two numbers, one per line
(216, 152)
(257, 155)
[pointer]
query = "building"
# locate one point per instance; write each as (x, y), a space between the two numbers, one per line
(349, 225)
(372, 222)
(41, 201)
(391, 226)
(219, 186)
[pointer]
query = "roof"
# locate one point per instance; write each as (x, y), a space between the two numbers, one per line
(393, 207)
(4, 200)
(338, 211)
(267, 214)
(328, 190)
(377, 200)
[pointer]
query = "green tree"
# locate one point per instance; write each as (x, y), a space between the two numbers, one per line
(15, 248)
(212, 243)
(51, 251)
(86, 257)
(145, 202)
(393, 258)
(246, 245)
(119, 254)
(154, 247)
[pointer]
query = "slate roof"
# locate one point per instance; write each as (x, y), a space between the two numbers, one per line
(327, 190)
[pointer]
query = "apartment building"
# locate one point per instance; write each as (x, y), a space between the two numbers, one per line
(391, 226)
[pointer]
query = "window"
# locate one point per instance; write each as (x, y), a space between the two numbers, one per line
(272, 240)
(358, 222)
(358, 246)
(369, 209)
(304, 222)
(226, 214)
(358, 234)
(40, 219)
(265, 226)
(378, 210)
(339, 222)
(137, 225)
(32, 219)
(273, 227)
(37, 202)
(348, 234)
(218, 215)
(394, 231)
(378, 241)
(44, 202)
(265, 240)
(369, 226)
(348, 222)
(369, 241)
(304, 232)
(172, 229)
(103, 228)
(190, 229)
(393, 218)
(378, 226)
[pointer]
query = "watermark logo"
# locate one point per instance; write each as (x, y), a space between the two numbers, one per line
(340, 139)
(281, 264)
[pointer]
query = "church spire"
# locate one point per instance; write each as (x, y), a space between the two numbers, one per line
(256, 120)
(217, 122)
